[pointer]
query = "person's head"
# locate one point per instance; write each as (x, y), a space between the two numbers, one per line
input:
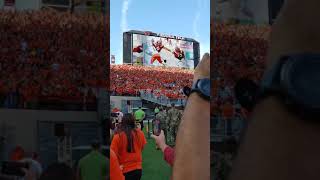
(128, 121)
(173, 105)
(59, 171)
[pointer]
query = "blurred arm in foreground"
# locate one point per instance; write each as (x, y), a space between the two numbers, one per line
(278, 144)
(192, 151)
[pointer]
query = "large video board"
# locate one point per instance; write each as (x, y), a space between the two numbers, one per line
(161, 50)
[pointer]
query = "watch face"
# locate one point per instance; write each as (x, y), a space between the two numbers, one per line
(204, 85)
(186, 90)
(246, 93)
(302, 78)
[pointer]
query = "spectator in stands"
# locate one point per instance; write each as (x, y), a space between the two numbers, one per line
(143, 79)
(239, 53)
(36, 54)
(93, 165)
(128, 145)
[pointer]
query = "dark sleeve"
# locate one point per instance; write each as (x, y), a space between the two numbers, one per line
(169, 155)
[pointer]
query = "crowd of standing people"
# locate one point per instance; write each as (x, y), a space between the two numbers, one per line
(130, 80)
(49, 54)
(239, 52)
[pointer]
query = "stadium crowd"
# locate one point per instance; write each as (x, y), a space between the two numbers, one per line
(168, 82)
(51, 55)
(239, 52)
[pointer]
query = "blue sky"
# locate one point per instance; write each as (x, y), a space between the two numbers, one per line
(186, 18)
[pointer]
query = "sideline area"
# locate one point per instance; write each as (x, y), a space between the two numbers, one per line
(154, 166)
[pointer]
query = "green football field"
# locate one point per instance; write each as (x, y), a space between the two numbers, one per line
(154, 167)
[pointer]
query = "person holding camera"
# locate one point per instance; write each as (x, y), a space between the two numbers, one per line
(168, 152)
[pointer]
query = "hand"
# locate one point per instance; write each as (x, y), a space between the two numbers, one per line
(160, 141)
(203, 68)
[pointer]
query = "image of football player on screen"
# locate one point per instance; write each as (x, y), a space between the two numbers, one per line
(178, 53)
(138, 49)
(158, 46)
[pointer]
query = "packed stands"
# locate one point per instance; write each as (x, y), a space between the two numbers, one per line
(239, 51)
(49, 56)
(130, 80)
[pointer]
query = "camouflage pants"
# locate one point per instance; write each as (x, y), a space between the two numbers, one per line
(171, 136)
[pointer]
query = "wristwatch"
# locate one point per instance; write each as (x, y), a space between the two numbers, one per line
(246, 92)
(201, 87)
(295, 79)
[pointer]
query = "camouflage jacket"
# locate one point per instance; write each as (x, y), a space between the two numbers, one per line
(161, 116)
(173, 117)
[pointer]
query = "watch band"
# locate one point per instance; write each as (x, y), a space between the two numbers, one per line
(201, 95)
(196, 89)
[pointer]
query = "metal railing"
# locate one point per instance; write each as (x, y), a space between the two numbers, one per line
(162, 100)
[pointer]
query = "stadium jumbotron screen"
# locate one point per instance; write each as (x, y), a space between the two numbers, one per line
(150, 49)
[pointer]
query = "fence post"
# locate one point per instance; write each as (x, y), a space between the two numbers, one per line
(148, 129)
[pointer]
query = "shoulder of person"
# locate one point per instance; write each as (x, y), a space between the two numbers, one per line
(139, 130)
(81, 161)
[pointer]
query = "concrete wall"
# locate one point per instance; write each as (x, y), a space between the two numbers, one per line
(24, 4)
(117, 100)
(20, 127)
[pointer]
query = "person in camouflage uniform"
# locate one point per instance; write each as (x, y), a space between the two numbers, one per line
(161, 116)
(173, 120)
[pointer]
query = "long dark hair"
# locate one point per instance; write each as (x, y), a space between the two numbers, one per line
(128, 126)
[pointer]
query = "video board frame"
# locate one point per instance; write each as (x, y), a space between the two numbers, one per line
(128, 44)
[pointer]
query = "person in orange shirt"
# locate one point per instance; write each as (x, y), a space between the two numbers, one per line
(128, 145)
(115, 170)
